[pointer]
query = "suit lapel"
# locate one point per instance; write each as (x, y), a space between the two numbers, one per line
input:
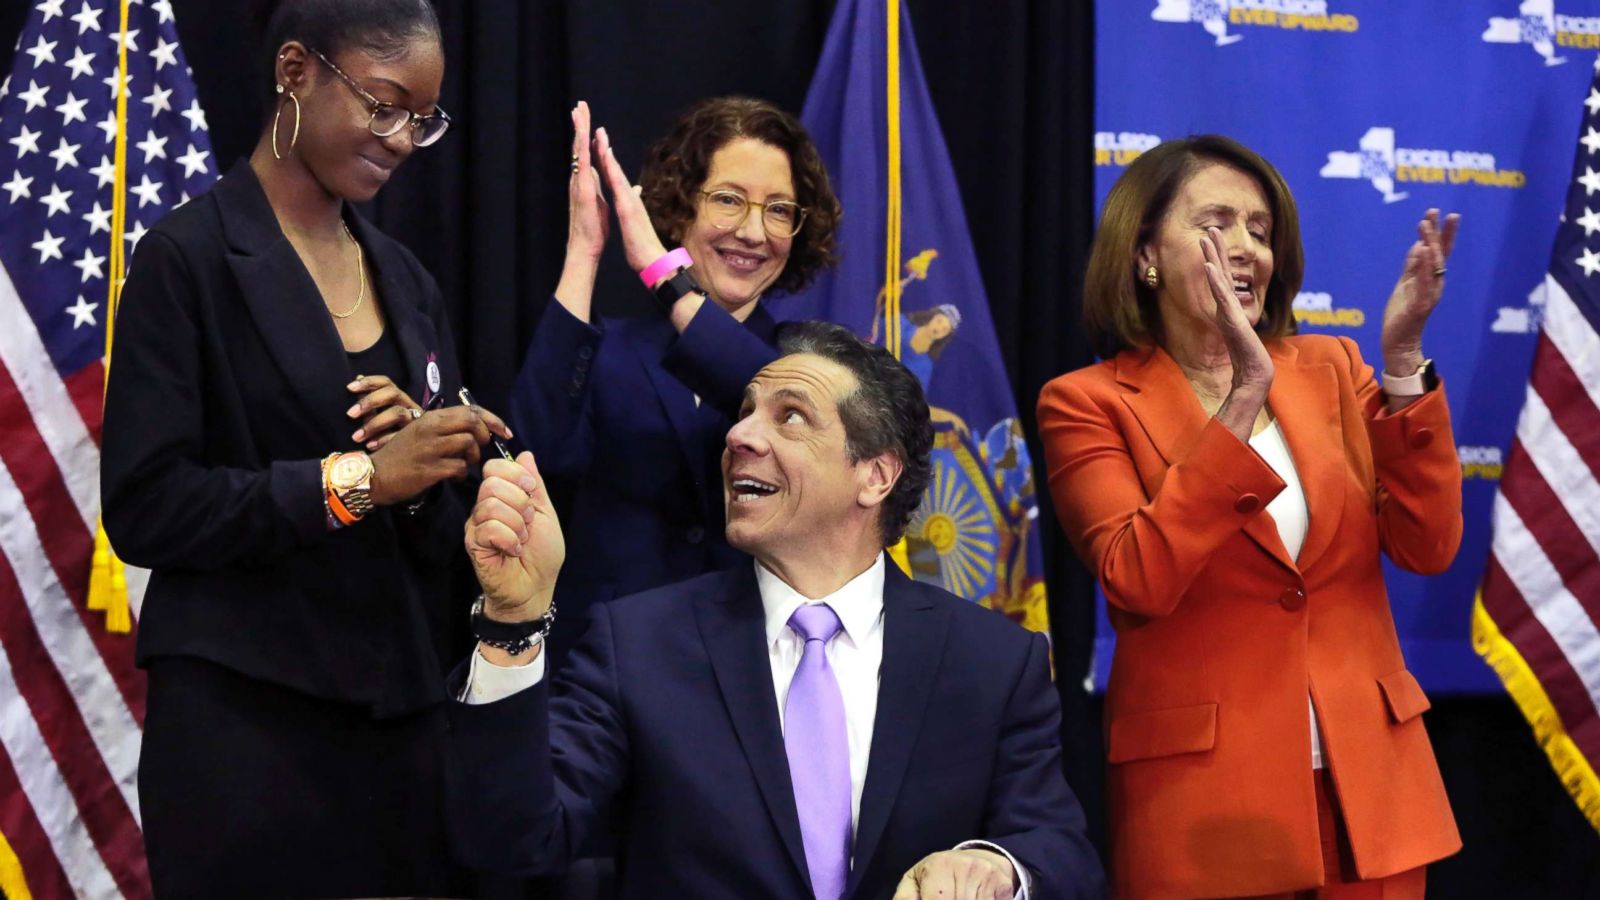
(677, 401)
(1162, 400)
(285, 305)
(913, 647)
(1165, 405)
(1311, 427)
(733, 626)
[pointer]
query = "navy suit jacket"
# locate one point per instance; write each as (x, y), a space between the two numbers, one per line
(664, 726)
(609, 413)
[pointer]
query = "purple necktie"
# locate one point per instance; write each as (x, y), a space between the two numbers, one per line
(819, 753)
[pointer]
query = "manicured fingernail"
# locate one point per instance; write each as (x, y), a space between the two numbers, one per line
(527, 514)
(359, 435)
(354, 385)
(518, 551)
(527, 484)
(353, 411)
(372, 445)
(509, 435)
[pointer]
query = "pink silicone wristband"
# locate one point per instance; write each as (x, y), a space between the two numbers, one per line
(673, 259)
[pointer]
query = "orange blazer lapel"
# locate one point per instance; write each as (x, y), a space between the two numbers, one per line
(1305, 400)
(1160, 397)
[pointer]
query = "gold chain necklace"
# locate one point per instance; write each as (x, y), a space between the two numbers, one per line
(361, 271)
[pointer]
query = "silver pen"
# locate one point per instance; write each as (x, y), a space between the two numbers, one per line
(466, 400)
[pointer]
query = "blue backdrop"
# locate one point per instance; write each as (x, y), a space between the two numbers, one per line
(1374, 111)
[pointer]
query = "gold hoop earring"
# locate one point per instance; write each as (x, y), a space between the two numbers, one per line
(1152, 277)
(295, 136)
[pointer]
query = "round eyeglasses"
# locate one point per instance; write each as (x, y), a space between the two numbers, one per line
(387, 119)
(727, 210)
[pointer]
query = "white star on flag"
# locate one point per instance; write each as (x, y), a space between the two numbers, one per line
(18, 186)
(105, 173)
(51, 8)
(1593, 102)
(159, 102)
(153, 146)
(109, 126)
(34, 95)
(196, 116)
(1590, 179)
(1590, 220)
(81, 63)
(26, 142)
(70, 109)
(133, 235)
(131, 39)
(110, 81)
(90, 265)
(1591, 141)
(87, 19)
(1590, 261)
(42, 52)
(194, 162)
(49, 247)
(56, 201)
(165, 54)
(82, 312)
(162, 8)
(65, 154)
(99, 219)
(148, 191)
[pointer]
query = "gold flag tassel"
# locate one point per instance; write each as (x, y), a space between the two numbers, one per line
(108, 583)
(891, 282)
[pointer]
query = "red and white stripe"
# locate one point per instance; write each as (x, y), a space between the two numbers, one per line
(71, 700)
(1542, 586)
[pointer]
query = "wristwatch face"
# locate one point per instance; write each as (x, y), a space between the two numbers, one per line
(349, 470)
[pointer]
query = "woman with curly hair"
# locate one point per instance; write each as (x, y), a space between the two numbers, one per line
(632, 413)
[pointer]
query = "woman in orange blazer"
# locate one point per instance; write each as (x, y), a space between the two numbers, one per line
(1232, 486)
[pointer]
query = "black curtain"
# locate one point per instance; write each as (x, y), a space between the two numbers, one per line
(1013, 84)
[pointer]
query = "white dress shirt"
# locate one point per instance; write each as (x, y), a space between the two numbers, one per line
(1293, 517)
(855, 654)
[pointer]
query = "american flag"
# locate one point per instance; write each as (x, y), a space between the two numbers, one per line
(1536, 619)
(71, 701)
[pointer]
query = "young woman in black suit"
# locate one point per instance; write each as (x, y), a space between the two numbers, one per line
(280, 416)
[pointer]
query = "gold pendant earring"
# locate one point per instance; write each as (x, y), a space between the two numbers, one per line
(293, 137)
(1152, 277)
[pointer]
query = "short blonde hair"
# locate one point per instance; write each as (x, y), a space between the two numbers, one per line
(1119, 309)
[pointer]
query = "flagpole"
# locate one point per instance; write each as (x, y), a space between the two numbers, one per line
(900, 553)
(891, 281)
(108, 584)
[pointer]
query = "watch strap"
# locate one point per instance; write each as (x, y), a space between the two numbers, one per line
(1423, 380)
(512, 637)
(673, 289)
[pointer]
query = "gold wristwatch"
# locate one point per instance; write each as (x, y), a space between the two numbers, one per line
(350, 477)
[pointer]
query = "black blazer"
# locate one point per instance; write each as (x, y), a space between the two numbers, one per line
(227, 388)
(663, 724)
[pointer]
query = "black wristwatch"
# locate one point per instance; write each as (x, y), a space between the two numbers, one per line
(673, 289)
(512, 637)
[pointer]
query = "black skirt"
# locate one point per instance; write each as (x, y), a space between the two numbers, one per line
(249, 789)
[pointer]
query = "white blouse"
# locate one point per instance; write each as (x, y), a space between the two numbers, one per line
(1291, 515)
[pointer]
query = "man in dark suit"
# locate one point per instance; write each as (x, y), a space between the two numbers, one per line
(815, 724)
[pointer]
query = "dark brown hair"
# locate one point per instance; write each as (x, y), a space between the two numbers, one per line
(1119, 309)
(676, 166)
(886, 413)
